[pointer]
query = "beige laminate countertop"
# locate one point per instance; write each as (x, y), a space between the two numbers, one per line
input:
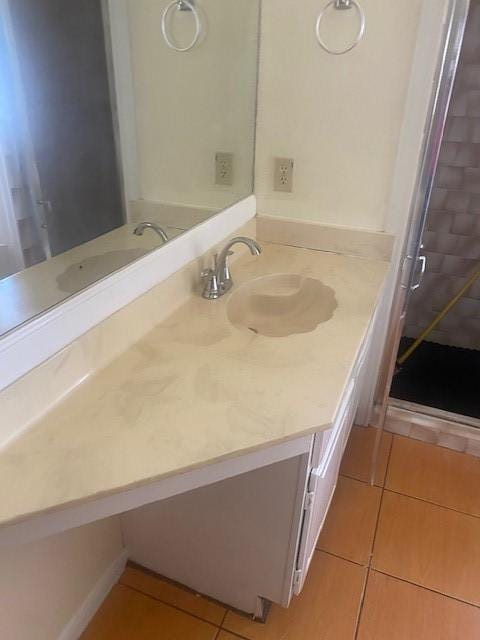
(194, 391)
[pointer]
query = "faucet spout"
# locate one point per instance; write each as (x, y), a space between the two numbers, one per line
(218, 280)
(222, 260)
(139, 229)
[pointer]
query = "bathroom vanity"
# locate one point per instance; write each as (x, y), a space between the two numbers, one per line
(218, 441)
(250, 537)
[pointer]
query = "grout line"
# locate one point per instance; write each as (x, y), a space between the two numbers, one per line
(336, 555)
(173, 583)
(244, 615)
(375, 532)
(223, 628)
(376, 529)
(169, 604)
(345, 475)
(421, 586)
(435, 504)
(222, 622)
(389, 455)
(232, 633)
(362, 602)
(364, 592)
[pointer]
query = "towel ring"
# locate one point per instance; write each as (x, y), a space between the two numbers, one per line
(185, 5)
(342, 5)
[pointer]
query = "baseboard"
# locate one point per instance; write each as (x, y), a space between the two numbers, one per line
(79, 621)
(435, 429)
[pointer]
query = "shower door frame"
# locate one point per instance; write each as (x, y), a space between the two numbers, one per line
(408, 279)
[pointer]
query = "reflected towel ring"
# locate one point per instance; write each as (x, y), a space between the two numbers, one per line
(342, 5)
(183, 5)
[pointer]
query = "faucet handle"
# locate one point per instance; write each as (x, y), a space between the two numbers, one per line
(211, 289)
(209, 272)
(225, 276)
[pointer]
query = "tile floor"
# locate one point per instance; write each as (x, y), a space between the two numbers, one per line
(397, 561)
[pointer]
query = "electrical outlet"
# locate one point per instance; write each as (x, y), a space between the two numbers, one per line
(224, 168)
(283, 178)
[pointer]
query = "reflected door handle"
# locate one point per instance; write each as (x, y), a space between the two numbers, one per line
(46, 203)
(423, 266)
(47, 206)
(405, 273)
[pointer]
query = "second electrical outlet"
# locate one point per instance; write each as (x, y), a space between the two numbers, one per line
(224, 168)
(283, 177)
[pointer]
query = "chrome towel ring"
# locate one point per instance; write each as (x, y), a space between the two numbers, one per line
(181, 5)
(342, 5)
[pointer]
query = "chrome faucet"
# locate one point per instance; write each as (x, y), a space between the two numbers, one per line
(139, 229)
(219, 280)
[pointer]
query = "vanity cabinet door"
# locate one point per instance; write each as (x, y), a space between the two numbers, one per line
(321, 485)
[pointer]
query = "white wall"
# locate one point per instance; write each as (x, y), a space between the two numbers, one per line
(190, 105)
(43, 584)
(339, 117)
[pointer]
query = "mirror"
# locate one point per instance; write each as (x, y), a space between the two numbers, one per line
(115, 113)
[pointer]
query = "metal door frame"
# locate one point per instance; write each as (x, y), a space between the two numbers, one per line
(452, 40)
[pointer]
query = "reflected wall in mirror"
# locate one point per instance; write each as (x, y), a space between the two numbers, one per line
(114, 113)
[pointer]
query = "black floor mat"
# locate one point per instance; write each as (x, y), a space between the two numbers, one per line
(439, 376)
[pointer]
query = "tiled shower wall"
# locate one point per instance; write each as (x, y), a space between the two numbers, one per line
(452, 236)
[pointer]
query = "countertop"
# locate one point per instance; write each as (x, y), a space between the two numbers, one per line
(194, 391)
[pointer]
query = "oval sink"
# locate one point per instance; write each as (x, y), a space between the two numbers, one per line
(281, 305)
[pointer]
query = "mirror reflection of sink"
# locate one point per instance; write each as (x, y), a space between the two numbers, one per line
(281, 305)
(84, 273)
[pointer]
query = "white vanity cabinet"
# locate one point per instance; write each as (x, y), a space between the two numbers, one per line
(249, 538)
(328, 447)
(235, 540)
(327, 451)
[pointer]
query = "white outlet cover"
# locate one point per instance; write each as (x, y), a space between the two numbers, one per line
(283, 175)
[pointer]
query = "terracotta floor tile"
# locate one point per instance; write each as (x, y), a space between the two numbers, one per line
(429, 545)
(400, 611)
(435, 474)
(226, 635)
(350, 525)
(357, 458)
(327, 608)
(171, 594)
(129, 615)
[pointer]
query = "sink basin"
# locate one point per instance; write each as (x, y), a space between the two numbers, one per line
(82, 274)
(281, 305)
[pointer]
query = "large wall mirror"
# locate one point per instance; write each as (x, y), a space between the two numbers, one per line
(115, 113)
